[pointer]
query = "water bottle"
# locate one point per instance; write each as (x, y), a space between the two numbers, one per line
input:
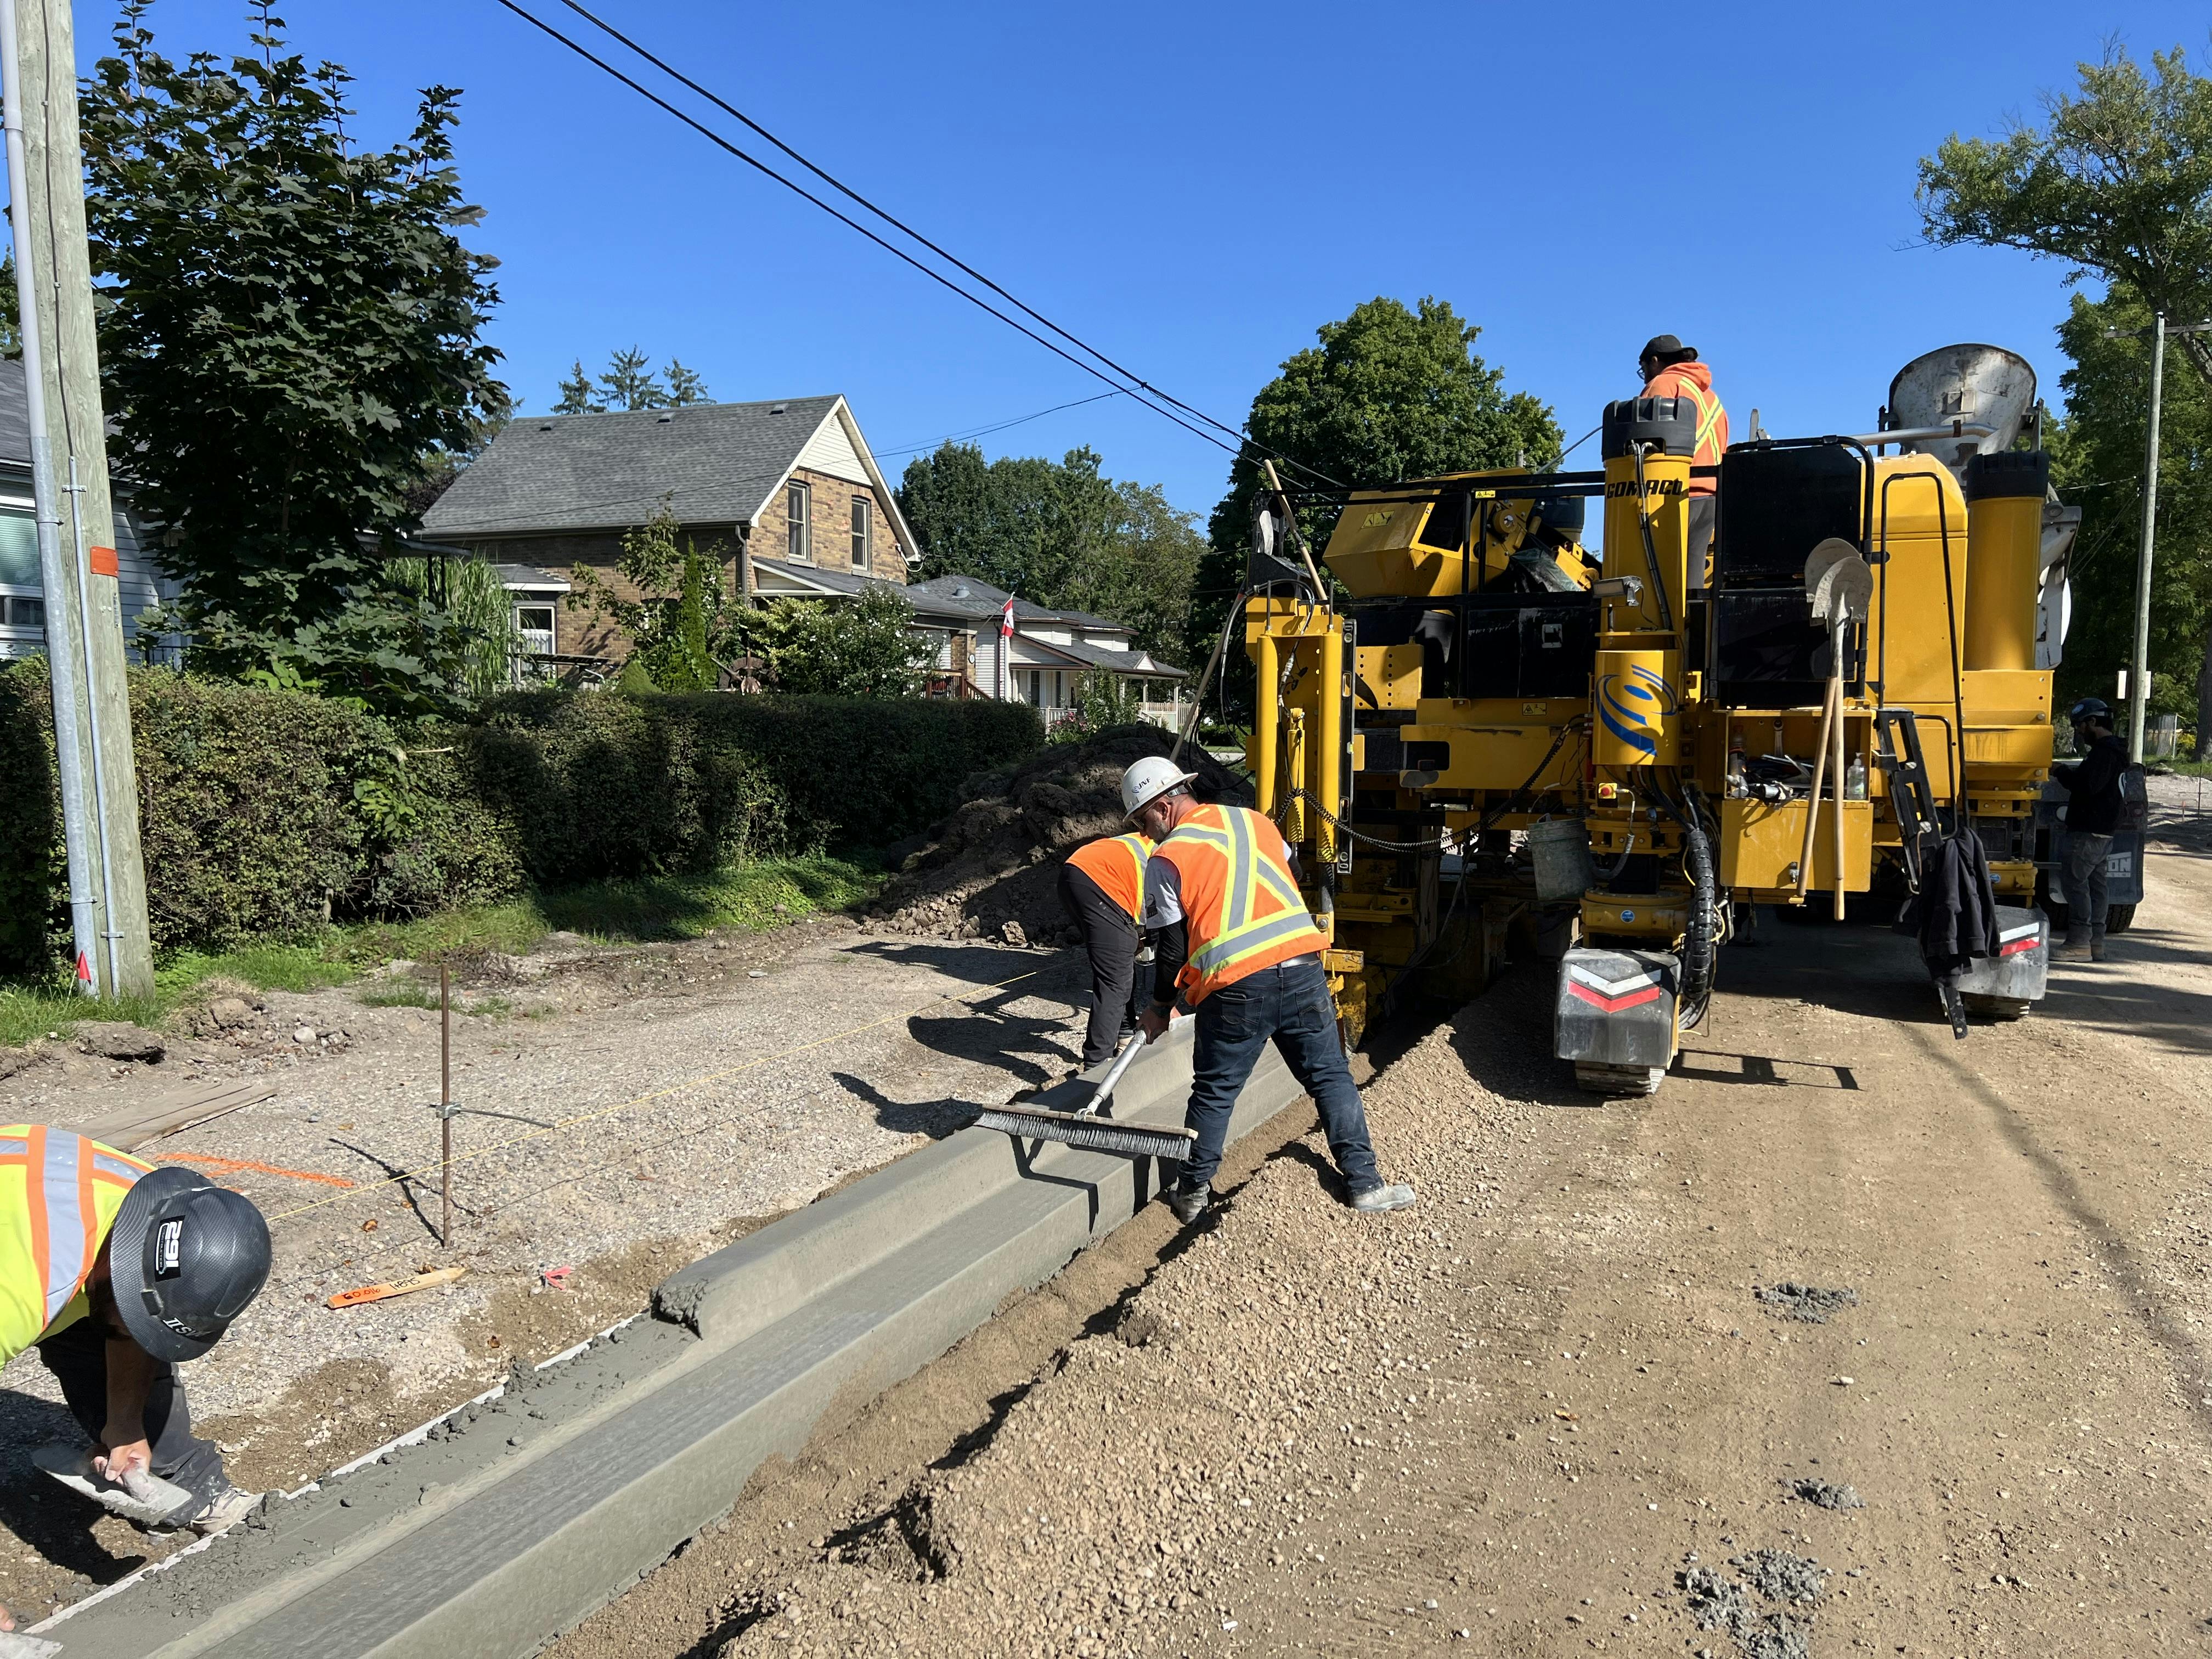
(1855, 781)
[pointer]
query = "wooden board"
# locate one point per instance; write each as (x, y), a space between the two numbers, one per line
(133, 1126)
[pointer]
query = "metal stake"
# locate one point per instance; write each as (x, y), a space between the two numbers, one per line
(445, 1106)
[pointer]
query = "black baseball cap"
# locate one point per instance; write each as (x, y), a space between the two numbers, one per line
(185, 1257)
(1668, 350)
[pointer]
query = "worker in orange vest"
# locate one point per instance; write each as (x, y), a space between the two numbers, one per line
(1102, 887)
(1671, 369)
(116, 1270)
(1231, 932)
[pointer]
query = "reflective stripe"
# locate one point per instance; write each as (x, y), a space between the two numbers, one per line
(68, 1234)
(1230, 948)
(14, 1148)
(109, 1164)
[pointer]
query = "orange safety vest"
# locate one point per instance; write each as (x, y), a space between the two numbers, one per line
(1116, 863)
(1243, 910)
(1676, 381)
(59, 1196)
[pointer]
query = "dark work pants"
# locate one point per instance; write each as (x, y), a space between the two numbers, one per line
(1121, 986)
(1289, 1003)
(78, 1359)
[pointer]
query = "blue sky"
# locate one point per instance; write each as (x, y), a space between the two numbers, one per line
(1194, 187)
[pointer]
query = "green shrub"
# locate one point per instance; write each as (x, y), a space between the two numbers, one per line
(600, 787)
(267, 814)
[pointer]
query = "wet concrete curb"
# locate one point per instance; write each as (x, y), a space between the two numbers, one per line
(532, 1512)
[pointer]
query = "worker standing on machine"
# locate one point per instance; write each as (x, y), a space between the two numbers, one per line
(1671, 369)
(1102, 887)
(116, 1270)
(1229, 929)
(2093, 808)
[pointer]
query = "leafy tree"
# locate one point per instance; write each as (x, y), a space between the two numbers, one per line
(2116, 184)
(1390, 393)
(681, 627)
(1060, 534)
(290, 327)
(11, 326)
(2097, 458)
(863, 646)
(630, 382)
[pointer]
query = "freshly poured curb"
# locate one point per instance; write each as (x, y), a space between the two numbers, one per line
(512, 1542)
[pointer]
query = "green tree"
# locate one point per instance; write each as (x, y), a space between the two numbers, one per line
(681, 626)
(11, 328)
(2097, 457)
(1060, 534)
(2116, 184)
(1390, 393)
(290, 328)
(863, 646)
(631, 381)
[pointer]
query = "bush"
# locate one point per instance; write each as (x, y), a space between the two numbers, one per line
(600, 787)
(267, 814)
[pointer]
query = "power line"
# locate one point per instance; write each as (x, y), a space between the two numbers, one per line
(1000, 426)
(755, 162)
(952, 259)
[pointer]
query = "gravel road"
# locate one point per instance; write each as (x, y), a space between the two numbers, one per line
(717, 1085)
(1547, 1411)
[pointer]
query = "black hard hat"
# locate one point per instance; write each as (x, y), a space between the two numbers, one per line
(2091, 708)
(185, 1257)
(1668, 350)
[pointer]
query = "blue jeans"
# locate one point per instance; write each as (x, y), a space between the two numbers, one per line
(1290, 1003)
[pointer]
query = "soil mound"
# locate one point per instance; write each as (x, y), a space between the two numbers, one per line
(991, 869)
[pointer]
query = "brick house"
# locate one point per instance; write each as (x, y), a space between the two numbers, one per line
(790, 481)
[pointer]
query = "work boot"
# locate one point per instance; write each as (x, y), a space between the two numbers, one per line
(1382, 1195)
(1189, 1203)
(2073, 950)
(2096, 949)
(225, 1510)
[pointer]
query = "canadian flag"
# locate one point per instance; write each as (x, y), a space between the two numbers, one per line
(1007, 619)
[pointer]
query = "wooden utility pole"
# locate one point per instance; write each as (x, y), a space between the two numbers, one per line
(83, 607)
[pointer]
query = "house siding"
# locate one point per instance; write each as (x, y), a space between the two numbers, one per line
(581, 632)
(831, 525)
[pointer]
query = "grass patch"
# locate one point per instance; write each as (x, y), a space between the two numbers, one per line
(649, 908)
(2188, 768)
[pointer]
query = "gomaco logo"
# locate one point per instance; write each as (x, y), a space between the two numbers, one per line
(1652, 487)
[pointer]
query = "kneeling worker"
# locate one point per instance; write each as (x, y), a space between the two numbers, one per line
(117, 1270)
(1102, 886)
(1229, 929)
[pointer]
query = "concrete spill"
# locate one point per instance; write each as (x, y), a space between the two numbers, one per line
(1810, 1304)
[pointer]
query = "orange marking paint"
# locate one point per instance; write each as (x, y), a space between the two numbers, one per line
(234, 1165)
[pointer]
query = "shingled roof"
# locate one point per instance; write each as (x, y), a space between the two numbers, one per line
(554, 474)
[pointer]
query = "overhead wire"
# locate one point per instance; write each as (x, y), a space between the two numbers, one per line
(1137, 387)
(995, 426)
(847, 190)
(797, 189)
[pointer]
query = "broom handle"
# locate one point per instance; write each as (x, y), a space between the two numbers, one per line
(1105, 1089)
(1836, 656)
(1812, 800)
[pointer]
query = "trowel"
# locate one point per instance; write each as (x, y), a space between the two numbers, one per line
(141, 1497)
(27, 1647)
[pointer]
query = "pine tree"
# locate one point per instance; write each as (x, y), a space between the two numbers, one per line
(685, 385)
(630, 383)
(576, 394)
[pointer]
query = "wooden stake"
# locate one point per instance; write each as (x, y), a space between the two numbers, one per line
(1836, 781)
(445, 1106)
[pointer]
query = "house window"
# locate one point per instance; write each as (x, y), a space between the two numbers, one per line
(1037, 687)
(535, 624)
(18, 612)
(799, 509)
(862, 510)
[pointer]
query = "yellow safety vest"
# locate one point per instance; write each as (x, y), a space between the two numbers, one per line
(1243, 910)
(59, 1196)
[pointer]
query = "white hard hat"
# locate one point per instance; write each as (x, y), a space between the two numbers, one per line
(1149, 779)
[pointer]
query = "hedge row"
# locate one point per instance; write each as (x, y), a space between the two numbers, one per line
(266, 814)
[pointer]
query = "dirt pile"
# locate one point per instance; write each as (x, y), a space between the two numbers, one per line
(1135, 1492)
(991, 869)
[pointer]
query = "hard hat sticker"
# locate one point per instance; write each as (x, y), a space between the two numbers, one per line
(169, 1249)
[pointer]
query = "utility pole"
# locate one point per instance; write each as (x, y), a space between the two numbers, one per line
(2139, 685)
(76, 518)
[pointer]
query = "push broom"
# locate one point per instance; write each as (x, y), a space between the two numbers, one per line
(1088, 1127)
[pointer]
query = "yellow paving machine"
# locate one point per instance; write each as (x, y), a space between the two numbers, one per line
(1486, 734)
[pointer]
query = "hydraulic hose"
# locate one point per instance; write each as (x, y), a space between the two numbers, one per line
(1650, 547)
(1698, 939)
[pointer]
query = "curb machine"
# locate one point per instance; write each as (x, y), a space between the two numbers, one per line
(1849, 679)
